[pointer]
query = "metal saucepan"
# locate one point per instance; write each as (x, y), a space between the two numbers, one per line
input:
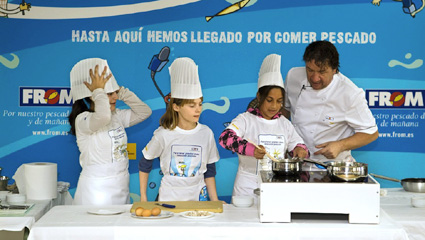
(285, 167)
(408, 184)
(338, 170)
(344, 171)
(3, 183)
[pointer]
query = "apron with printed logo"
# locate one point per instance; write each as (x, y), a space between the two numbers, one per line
(275, 145)
(183, 181)
(106, 184)
(247, 176)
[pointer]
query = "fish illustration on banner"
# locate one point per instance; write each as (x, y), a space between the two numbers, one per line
(409, 6)
(4, 11)
(231, 9)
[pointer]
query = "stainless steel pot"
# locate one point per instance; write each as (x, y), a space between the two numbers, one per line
(344, 171)
(3, 183)
(408, 184)
(287, 166)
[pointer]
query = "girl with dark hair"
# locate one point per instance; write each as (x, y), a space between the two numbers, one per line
(265, 126)
(100, 131)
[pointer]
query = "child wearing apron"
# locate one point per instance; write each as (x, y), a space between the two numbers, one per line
(185, 147)
(264, 125)
(100, 131)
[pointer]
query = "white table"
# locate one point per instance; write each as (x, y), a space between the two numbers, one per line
(10, 223)
(17, 225)
(73, 222)
(397, 204)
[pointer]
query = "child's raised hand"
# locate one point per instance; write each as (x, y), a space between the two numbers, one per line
(97, 81)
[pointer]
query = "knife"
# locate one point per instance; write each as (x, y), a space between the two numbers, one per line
(166, 205)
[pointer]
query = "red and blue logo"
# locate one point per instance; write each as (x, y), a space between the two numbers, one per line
(45, 96)
(395, 98)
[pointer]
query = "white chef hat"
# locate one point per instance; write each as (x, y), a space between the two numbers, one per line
(80, 74)
(185, 79)
(269, 74)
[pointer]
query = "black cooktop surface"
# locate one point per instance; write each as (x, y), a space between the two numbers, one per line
(307, 177)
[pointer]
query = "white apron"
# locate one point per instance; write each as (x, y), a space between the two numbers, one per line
(245, 184)
(174, 188)
(246, 181)
(103, 184)
(273, 135)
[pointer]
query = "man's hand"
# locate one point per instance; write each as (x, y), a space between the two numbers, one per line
(329, 149)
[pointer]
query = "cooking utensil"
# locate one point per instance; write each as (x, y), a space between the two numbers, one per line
(267, 154)
(344, 171)
(408, 184)
(3, 183)
(166, 205)
(292, 166)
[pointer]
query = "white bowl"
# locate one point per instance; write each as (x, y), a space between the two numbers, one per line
(418, 202)
(14, 199)
(3, 195)
(242, 201)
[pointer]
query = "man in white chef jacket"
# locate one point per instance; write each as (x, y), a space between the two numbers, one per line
(326, 108)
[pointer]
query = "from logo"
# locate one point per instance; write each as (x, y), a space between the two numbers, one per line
(395, 98)
(51, 96)
(45, 96)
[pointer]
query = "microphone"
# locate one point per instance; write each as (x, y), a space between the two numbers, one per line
(304, 87)
(158, 61)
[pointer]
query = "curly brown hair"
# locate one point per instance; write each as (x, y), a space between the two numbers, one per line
(323, 53)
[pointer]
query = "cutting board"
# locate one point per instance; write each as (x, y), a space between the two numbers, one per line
(181, 206)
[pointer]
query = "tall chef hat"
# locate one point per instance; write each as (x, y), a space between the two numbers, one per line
(185, 79)
(269, 74)
(80, 74)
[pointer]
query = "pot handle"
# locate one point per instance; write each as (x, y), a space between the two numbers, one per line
(257, 191)
(315, 162)
(386, 178)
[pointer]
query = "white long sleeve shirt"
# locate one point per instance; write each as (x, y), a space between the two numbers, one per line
(101, 136)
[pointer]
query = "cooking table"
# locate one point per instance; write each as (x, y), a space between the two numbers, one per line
(15, 225)
(397, 204)
(74, 222)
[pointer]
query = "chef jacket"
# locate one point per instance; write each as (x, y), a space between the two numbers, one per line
(330, 114)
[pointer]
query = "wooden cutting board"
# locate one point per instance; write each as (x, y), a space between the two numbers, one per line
(181, 206)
